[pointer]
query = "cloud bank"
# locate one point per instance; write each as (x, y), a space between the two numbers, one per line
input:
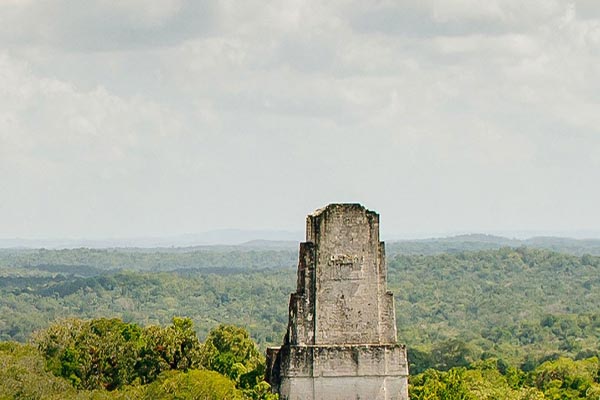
(124, 119)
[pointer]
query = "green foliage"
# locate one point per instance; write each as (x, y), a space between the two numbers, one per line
(434, 384)
(112, 359)
(563, 379)
(441, 356)
(23, 375)
(89, 262)
(567, 379)
(94, 354)
(230, 351)
(528, 307)
(175, 347)
(467, 298)
(192, 385)
(518, 304)
(109, 353)
(256, 300)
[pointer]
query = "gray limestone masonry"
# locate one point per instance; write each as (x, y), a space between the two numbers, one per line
(341, 340)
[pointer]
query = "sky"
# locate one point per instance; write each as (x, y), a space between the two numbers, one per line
(136, 118)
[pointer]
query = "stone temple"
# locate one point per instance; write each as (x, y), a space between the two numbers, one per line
(341, 339)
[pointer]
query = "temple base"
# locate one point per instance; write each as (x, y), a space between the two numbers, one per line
(339, 372)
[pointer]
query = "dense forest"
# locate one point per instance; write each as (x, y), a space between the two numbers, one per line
(112, 359)
(481, 319)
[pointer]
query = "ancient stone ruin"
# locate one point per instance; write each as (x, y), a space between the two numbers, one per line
(341, 337)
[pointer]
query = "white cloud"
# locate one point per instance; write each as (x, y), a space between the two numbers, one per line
(442, 115)
(104, 25)
(60, 147)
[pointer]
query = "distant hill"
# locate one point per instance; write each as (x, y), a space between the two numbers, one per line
(258, 254)
(271, 244)
(224, 237)
(476, 242)
(244, 240)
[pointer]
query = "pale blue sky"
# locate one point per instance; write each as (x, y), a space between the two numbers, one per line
(136, 118)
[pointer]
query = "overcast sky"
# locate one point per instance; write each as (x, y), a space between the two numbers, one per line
(157, 118)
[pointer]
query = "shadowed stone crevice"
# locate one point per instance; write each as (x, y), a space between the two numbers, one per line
(341, 339)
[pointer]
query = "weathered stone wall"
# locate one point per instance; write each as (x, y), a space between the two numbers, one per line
(301, 326)
(345, 372)
(341, 338)
(352, 303)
